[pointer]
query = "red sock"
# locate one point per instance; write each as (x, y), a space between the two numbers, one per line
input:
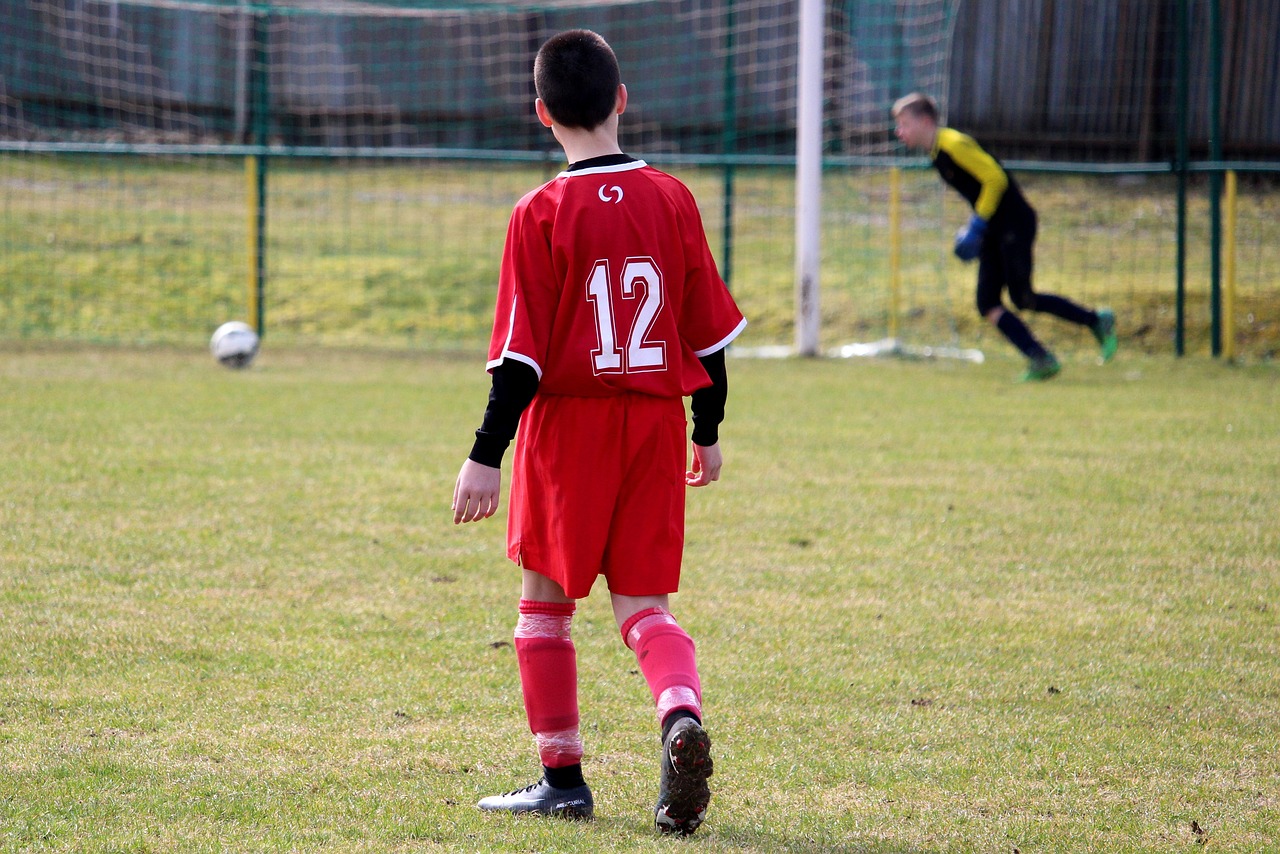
(666, 656)
(549, 679)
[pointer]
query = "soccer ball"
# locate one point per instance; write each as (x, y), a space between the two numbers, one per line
(234, 344)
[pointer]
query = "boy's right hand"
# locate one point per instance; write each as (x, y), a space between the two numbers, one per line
(475, 495)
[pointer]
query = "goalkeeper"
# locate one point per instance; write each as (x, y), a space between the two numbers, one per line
(1000, 234)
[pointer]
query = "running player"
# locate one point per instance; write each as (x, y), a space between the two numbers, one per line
(1000, 234)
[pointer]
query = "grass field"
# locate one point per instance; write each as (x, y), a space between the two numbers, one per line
(936, 611)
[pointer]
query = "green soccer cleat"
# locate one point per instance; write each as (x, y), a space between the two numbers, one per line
(542, 798)
(1044, 368)
(1105, 331)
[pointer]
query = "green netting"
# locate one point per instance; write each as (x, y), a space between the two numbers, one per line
(127, 122)
(704, 77)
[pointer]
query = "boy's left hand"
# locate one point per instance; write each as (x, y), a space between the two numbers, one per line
(707, 461)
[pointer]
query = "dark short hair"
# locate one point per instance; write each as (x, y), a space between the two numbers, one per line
(916, 104)
(576, 75)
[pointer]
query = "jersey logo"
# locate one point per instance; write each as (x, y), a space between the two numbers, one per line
(608, 196)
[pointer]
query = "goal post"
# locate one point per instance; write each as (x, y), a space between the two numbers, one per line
(868, 54)
(809, 103)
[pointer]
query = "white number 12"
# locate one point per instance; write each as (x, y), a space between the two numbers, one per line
(638, 274)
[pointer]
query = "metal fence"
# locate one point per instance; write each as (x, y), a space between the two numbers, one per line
(377, 135)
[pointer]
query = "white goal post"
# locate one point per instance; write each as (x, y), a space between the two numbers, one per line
(852, 62)
(809, 100)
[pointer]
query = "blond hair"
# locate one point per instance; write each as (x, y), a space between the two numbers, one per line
(917, 104)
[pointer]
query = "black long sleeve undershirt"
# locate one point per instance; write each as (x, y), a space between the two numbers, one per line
(707, 404)
(514, 384)
(513, 387)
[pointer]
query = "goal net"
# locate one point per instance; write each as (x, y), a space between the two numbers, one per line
(888, 286)
(349, 96)
(385, 73)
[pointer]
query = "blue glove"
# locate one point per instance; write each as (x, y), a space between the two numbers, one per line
(969, 238)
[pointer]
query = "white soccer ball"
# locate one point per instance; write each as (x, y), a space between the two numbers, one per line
(234, 344)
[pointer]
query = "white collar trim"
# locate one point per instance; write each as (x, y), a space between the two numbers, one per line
(604, 170)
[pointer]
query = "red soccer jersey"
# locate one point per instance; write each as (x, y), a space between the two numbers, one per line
(608, 286)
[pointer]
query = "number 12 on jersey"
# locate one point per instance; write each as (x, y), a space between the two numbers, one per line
(641, 279)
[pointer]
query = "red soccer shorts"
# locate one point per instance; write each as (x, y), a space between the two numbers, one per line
(597, 488)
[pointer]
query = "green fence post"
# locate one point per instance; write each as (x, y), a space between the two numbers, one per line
(729, 137)
(1180, 166)
(260, 123)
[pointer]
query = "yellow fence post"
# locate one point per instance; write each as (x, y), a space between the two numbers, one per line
(251, 178)
(895, 249)
(1229, 271)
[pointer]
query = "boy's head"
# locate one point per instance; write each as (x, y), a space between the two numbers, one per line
(576, 76)
(917, 120)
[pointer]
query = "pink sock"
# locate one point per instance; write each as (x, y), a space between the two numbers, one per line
(549, 680)
(666, 656)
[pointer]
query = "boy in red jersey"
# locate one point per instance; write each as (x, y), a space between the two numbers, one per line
(610, 310)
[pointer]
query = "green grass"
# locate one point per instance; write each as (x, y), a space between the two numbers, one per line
(935, 611)
(406, 254)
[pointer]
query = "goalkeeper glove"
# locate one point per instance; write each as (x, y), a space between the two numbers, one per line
(969, 238)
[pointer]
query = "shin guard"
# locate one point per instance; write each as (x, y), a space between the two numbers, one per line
(665, 653)
(549, 680)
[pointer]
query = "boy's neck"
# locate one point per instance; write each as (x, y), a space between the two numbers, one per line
(582, 144)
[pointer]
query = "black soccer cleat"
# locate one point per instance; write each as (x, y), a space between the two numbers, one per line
(541, 798)
(686, 765)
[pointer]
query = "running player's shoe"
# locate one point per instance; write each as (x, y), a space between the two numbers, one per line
(1105, 331)
(686, 765)
(541, 798)
(1044, 368)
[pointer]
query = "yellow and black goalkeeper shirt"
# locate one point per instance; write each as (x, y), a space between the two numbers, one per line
(980, 178)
